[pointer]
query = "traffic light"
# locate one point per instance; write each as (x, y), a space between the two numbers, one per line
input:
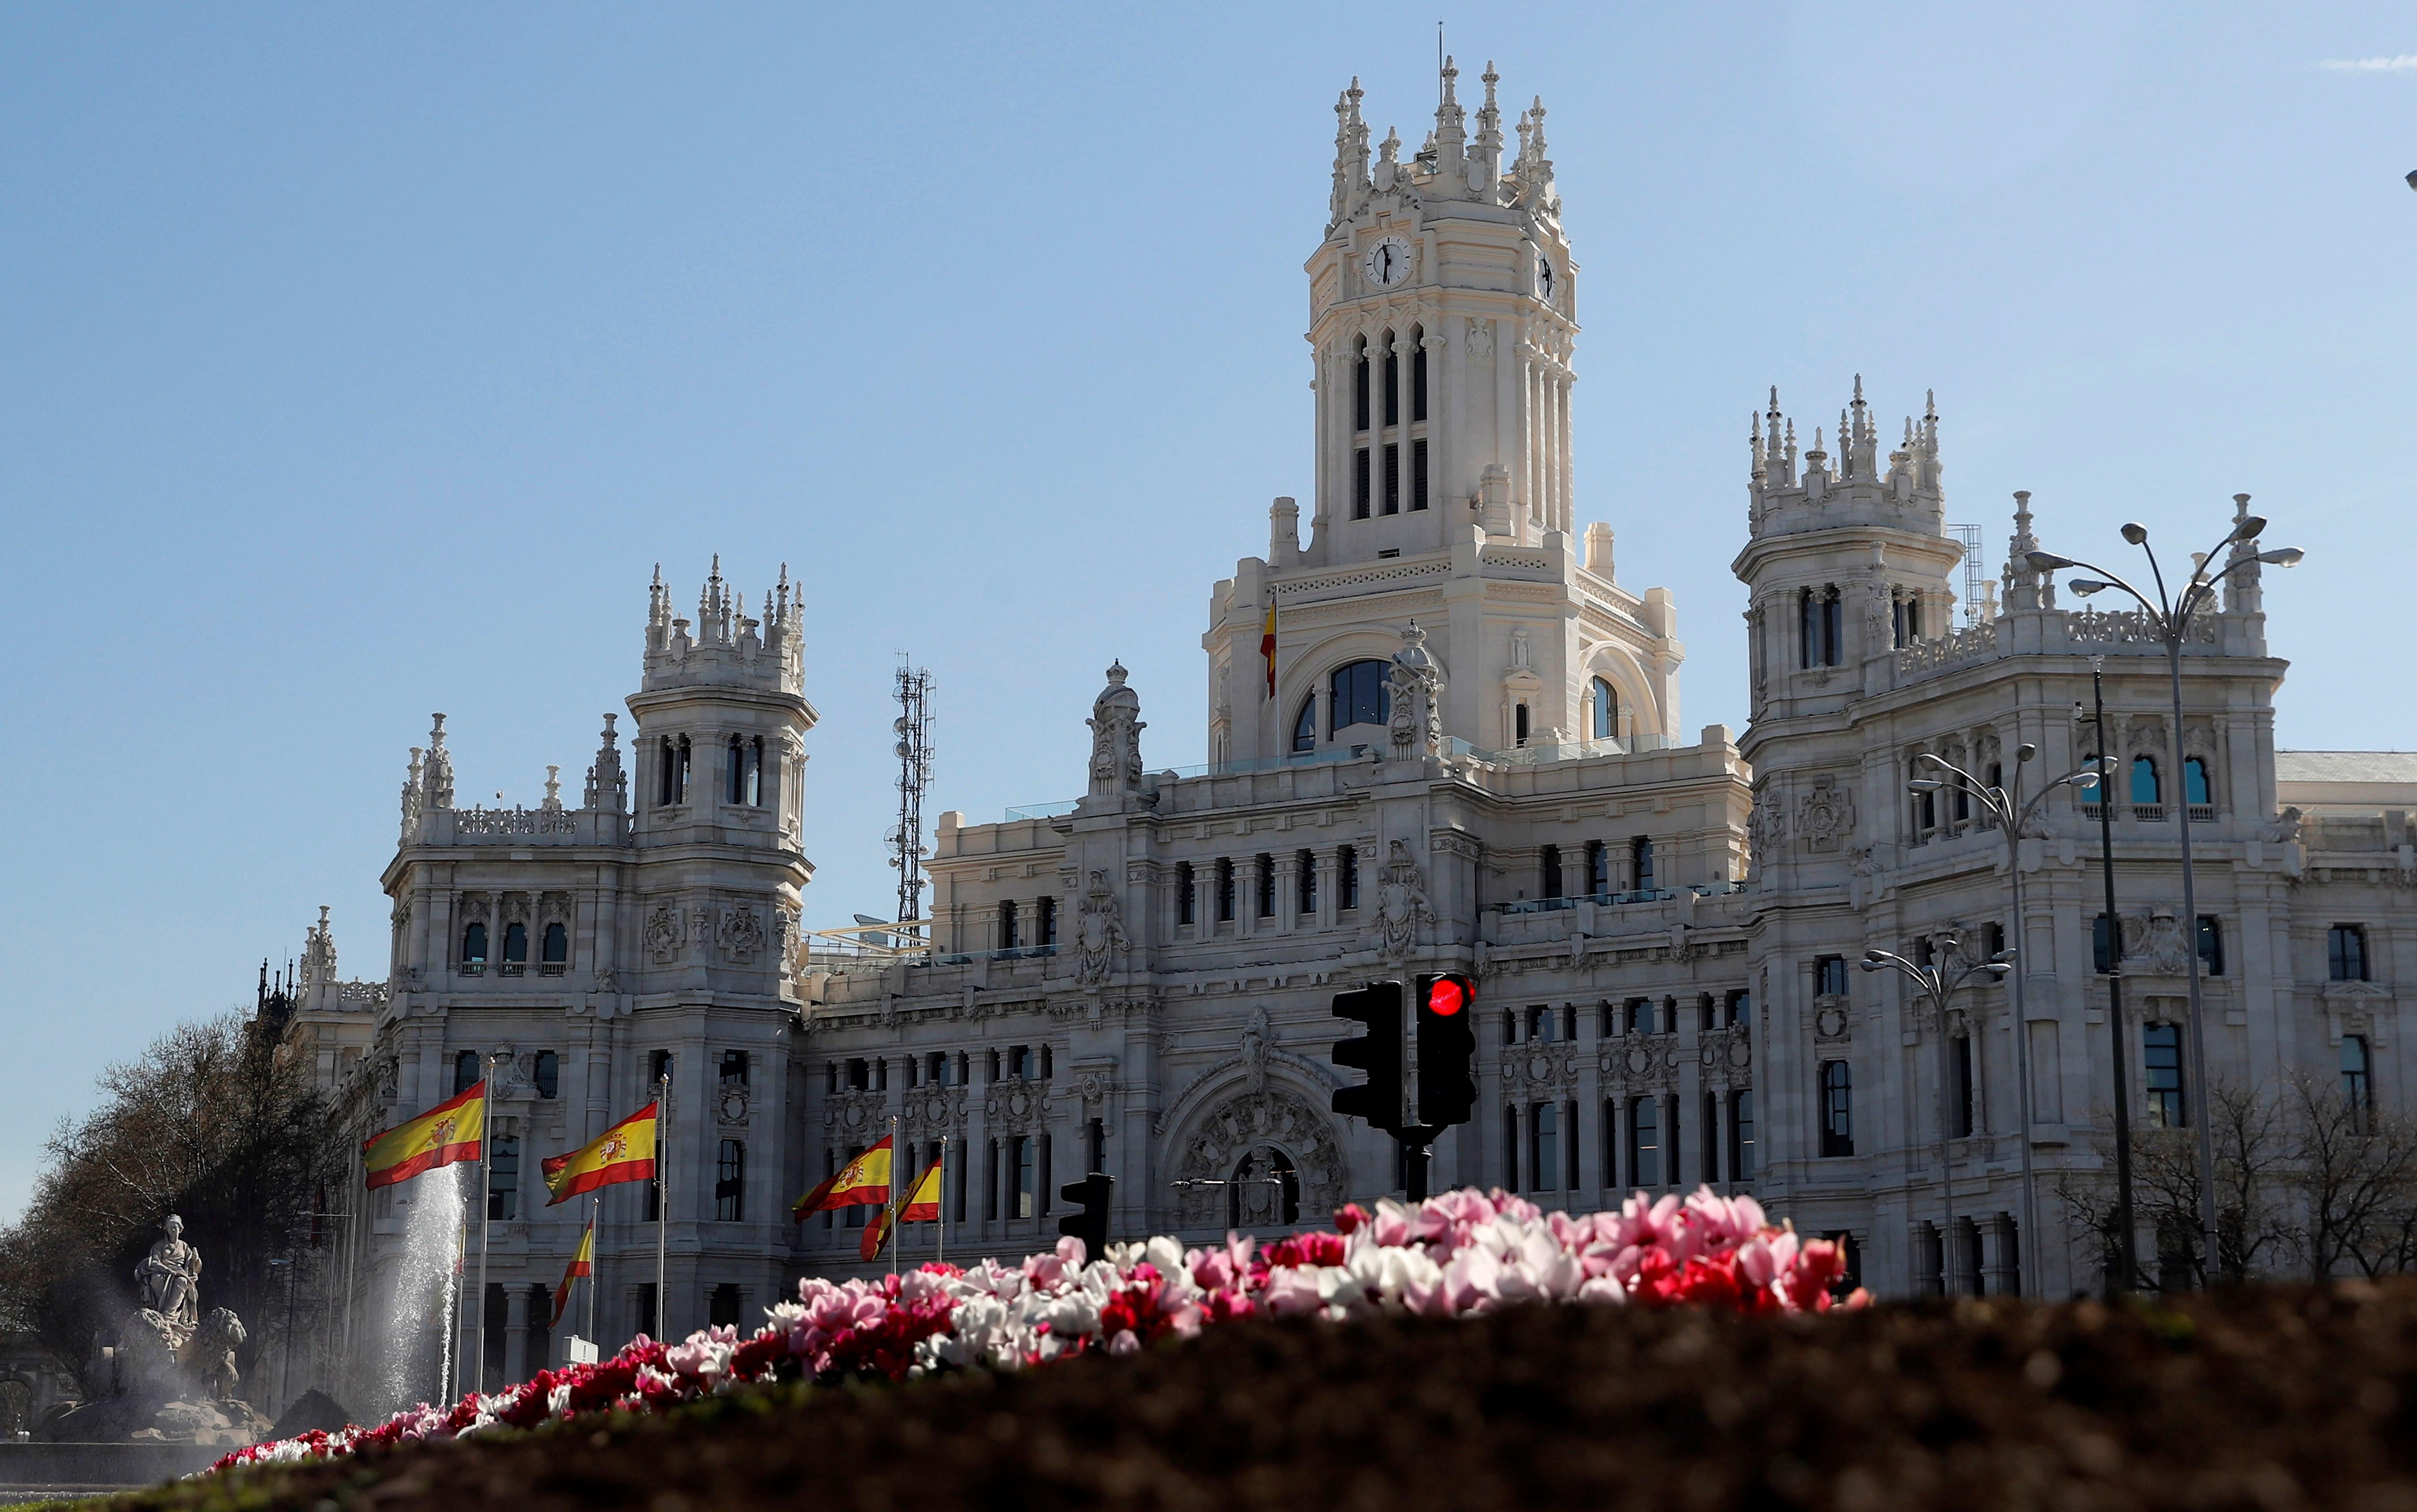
(1378, 1053)
(1447, 1005)
(1091, 1224)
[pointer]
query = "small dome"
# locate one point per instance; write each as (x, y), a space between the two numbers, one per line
(1117, 695)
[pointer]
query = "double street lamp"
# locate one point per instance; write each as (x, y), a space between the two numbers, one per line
(2007, 810)
(1938, 983)
(2169, 617)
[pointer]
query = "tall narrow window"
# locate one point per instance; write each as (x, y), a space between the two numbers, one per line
(1741, 1135)
(1900, 622)
(734, 1069)
(1837, 1109)
(1360, 483)
(1224, 891)
(1304, 875)
(1808, 630)
(1544, 1144)
(556, 949)
(1640, 857)
(2210, 944)
(722, 1305)
(465, 1071)
(1187, 893)
(1645, 1141)
(2357, 1083)
(737, 763)
(2145, 787)
(503, 1178)
(1347, 882)
(2345, 953)
(1007, 937)
(2102, 946)
(730, 1183)
(1511, 1147)
(1265, 881)
(1393, 400)
(1044, 921)
(1418, 374)
(548, 1075)
(1392, 477)
(2161, 1057)
(1962, 1059)
(1519, 725)
(1419, 468)
(1830, 975)
(1359, 386)
(1026, 1188)
(2196, 787)
(1548, 866)
(1834, 635)
(1708, 1136)
(1305, 726)
(1611, 1141)
(667, 785)
(1598, 866)
(516, 944)
(474, 943)
(1606, 710)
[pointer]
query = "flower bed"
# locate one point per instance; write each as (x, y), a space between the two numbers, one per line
(1465, 1252)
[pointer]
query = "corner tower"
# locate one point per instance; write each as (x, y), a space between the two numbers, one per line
(1443, 324)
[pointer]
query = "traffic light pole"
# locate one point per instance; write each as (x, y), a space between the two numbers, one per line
(1418, 1151)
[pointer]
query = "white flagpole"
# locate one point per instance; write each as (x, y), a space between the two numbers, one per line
(594, 1211)
(486, 1179)
(941, 1254)
(662, 1195)
(897, 1199)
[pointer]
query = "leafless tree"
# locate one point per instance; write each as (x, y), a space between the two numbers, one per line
(2253, 1158)
(2355, 1179)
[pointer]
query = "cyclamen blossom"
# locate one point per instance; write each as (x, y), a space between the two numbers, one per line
(1456, 1254)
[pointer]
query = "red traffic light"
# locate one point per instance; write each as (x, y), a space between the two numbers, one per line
(1445, 996)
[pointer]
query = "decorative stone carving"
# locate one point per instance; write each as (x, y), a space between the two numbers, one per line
(1480, 340)
(1829, 1019)
(1824, 814)
(664, 934)
(1277, 1117)
(2283, 829)
(1115, 727)
(169, 1280)
(1098, 933)
(1415, 686)
(1766, 826)
(1401, 905)
(742, 934)
(731, 1106)
(1017, 1106)
(1256, 1035)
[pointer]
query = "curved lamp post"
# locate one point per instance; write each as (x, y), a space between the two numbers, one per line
(2169, 617)
(2007, 808)
(1938, 984)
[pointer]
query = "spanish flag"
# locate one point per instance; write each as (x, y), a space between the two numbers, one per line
(625, 1152)
(583, 1263)
(1267, 647)
(922, 1205)
(863, 1181)
(451, 1131)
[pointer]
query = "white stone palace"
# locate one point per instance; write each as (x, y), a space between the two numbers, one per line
(1464, 752)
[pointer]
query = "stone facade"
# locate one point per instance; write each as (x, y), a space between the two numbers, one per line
(1444, 735)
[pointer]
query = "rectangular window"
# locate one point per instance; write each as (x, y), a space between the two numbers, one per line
(1645, 1141)
(734, 1069)
(1510, 1149)
(1019, 1063)
(1044, 922)
(645, 1321)
(1392, 388)
(1548, 866)
(1837, 1109)
(1830, 975)
(1360, 483)
(1392, 477)
(1267, 886)
(1347, 883)
(1598, 865)
(991, 1072)
(2357, 1080)
(1510, 1028)
(1419, 382)
(1611, 1141)
(2210, 944)
(1708, 1134)
(964, 1178)
(1419, 474)
(1096, 1136)
(1570, 1026)
(2160, 1058)
(1048, 1063)
(1963, 1092)
(989, 1193)
(1570, 1146)
(1305, 877)
(1640, 1016)
(1741, 1135)
(1640, 855)
(1225, 892)
(730, 1183)
(1360, 386)
(1187, 893)
(504, 1177)
(2345, 953)
(1544, 1145)
(1542, 1025)
(1834, 639)
(1007, 922)
(1025, 1191)
(549, 1075)
(1042, 1178)
(2102, 946)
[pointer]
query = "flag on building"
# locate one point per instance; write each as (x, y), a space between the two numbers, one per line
(583, 1263)
(863, 1181)
(920, 1205)
(451, 1131)
(1267, 647)
(625, 1152)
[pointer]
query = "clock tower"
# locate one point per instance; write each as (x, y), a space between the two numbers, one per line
(1443, 321)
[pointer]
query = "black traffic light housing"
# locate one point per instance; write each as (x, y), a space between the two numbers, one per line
(1446, 1008)
(1378, 1053)
(1091, 1225)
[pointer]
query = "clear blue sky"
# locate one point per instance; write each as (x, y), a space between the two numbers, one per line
(361, 362)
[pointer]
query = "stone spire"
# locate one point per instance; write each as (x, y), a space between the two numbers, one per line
(608, 786)
(2242, 594)
(1485, 165)
(1350, 154)
(1451, 135)
(439, 786)
(2022, 584)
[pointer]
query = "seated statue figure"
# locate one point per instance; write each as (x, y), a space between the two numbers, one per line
(169, 1279)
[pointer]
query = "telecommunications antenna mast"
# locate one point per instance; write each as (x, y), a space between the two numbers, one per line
(1975, 573)
(913, 728)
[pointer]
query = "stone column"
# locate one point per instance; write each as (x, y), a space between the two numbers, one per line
(516, 1331)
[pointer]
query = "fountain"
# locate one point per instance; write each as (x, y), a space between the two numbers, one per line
(427, 1287)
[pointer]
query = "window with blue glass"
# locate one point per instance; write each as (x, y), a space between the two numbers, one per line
(2145, 787)
(2160, 1058)
(1358, 695)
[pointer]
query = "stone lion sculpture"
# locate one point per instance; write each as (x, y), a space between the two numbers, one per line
(209, 1357)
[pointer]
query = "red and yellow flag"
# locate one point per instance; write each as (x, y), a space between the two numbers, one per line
(922, 1205)
(1268, 649)
(451, 1131)
(625, 1152)
(583, 1263)
(862, 1181)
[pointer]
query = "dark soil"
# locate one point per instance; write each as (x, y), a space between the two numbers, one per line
(2270, 1400)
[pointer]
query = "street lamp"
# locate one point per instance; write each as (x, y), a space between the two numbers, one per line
(2169, 617)
(1938, 984)
(2005, 806)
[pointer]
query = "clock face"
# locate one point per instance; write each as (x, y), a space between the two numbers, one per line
(1388, 263)
(1545, 277)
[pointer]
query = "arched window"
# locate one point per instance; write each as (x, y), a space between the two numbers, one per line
(1359, 694)
(1266, 1189)
(1393, 399)
(1418, 373)
(558, 944)
(516, 944)
(1304, 727)
(2145, 787)
(1606, 710)
(474, 943)
(1359, 383)
(465, 1071)
(2196, 787)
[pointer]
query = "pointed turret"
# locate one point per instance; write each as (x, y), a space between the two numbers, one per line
(608, 786)
(439, 785)
(1450, 136)
(1485, 165)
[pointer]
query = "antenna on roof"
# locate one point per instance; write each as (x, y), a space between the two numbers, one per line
(913, 728)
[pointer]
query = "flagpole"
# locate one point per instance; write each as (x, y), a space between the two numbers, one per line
(897, 1199)
(486, 1180)
(594, 1211)
(940, 1256)
(662, 1195)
